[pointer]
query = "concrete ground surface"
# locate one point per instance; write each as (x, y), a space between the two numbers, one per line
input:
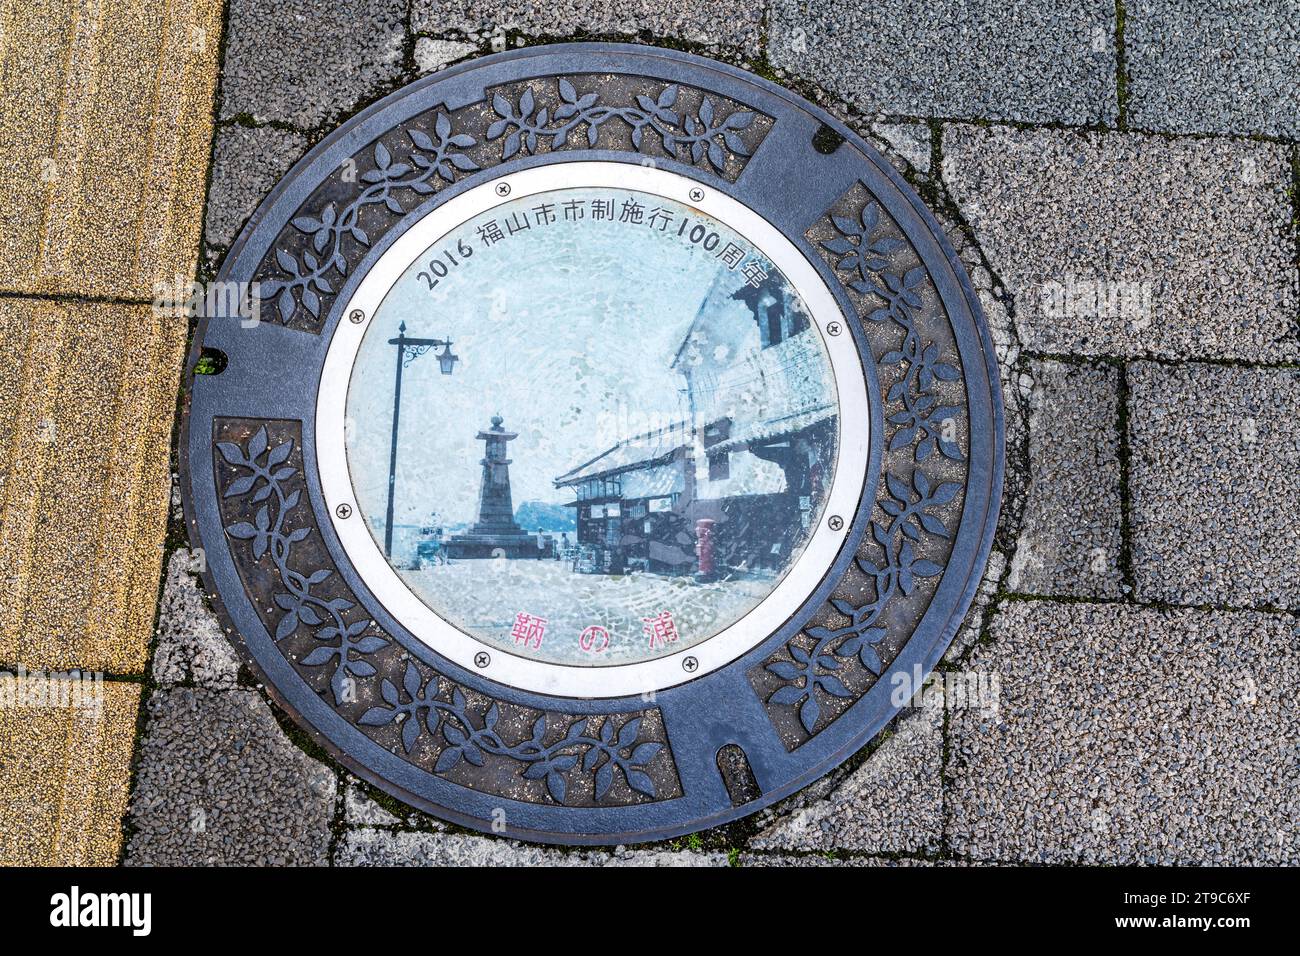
(1122, 180)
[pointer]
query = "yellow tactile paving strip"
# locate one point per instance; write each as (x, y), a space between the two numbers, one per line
(63, 792)
(105, 137)
(105, 128)
(87, 399)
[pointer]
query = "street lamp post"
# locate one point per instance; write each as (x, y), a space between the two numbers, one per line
(408, 350)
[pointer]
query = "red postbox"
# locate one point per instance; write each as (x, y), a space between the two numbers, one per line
(704, 548)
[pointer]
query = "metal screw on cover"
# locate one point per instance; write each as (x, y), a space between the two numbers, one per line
(357, 316)
(836, 523)
(690, 664)
(343, 511)
(482, 659)
(503, 189)
(834, 329)
(696, 195)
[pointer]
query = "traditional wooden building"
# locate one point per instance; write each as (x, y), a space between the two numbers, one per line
(751, 457)
(629, 502)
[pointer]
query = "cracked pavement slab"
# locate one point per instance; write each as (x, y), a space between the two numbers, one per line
(191, 645)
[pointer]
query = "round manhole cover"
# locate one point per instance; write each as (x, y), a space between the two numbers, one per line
(607, 442)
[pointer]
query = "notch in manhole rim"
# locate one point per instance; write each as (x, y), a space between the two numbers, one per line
(211, 361)
(826, 141)
(737, 775)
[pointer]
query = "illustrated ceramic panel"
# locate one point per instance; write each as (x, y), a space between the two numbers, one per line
(632, 441)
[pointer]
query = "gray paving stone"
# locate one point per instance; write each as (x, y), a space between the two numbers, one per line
(909, 140)
(971, 629)
(1215, 477)
(308, 62)
(1069, 540)
(375, 847)
(1214, 67)
(667, 858)
(893, 803)
(191, 645)
(220, 784)
(1130, 735)
(246, 163)
(360, 810)
(432, 55)
(1032, 61)
(735, 24)
(1189, 242)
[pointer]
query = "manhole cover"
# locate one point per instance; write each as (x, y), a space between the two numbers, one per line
(612, 441)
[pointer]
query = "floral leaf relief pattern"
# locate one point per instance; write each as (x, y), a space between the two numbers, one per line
(688, 136)
(335, 227)
(604, 759)
(342, 644)
(430, 707)
(308, 275)
(893, 561)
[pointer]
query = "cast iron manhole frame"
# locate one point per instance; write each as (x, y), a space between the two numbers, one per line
(578, 770)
